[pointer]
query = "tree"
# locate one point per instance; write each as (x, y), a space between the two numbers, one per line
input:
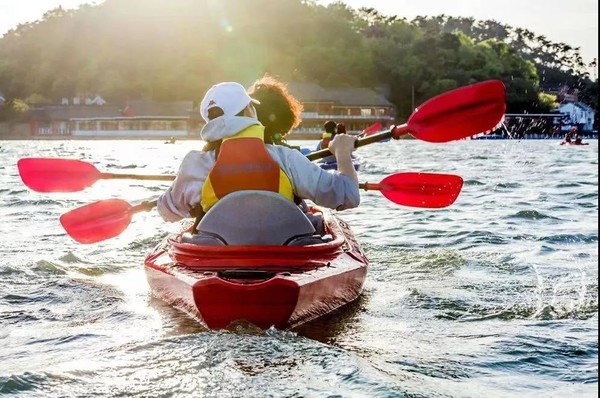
(174, 50)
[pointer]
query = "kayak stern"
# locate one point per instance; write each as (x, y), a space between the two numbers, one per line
(268, 286)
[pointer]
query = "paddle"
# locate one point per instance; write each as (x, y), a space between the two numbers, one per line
(68, 175)
(372, 129)
(106, 219)
(453, 115)
(101, 220)
(457, 114)
(427, 190)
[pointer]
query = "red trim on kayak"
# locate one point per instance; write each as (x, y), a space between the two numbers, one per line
(252, 256)
(280, 286)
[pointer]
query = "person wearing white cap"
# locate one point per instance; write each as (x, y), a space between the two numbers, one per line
(236, 158)
(230, 97)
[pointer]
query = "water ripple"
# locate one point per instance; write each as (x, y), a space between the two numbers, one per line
(496, 294)
(531, 215)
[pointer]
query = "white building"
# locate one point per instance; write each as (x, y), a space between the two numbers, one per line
(577, 114)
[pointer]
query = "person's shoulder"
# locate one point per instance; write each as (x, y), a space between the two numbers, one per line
(288, 153)
(196, 155)
(280, 148)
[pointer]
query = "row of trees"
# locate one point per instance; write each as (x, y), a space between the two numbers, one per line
(127, 49)
(557, 64)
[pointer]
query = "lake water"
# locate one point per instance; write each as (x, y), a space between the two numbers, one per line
(494, 296)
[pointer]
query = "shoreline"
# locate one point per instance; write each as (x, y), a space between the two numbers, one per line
(167, 137)
(302, 138)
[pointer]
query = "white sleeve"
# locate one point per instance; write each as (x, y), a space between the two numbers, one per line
(185, 191)
(328, 189)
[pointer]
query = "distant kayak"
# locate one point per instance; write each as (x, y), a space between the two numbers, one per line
(333, 165)
(573, 143)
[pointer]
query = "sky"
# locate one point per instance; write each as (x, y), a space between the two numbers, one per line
(14, 12)
(574, 22)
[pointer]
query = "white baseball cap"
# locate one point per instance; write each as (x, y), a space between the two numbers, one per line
(231, 97)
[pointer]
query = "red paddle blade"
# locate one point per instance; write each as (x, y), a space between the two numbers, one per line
(97, 221)
(57, 175)
(460, 113)
(372, 129)
(422, 189)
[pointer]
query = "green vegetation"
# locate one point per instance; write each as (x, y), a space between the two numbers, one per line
(127, 49)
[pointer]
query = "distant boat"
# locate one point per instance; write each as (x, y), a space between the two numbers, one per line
(171, 140)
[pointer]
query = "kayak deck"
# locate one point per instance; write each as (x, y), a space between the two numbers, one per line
(268, 286)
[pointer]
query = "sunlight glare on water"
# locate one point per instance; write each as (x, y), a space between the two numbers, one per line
(496, 295)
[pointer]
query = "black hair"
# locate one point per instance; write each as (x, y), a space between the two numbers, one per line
(216, 112)
(329, 126)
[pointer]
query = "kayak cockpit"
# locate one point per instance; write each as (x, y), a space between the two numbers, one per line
(258, 218)
(258, 229)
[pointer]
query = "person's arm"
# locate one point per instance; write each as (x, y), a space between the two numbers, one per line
(342, 147)
(326, 188)
(184, 193)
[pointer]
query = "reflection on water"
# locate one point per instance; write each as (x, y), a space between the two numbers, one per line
(496, 295)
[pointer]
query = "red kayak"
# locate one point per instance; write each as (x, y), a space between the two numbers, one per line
(247, 269)
(573, 143)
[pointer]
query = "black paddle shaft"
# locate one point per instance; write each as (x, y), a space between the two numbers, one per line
(384, 135)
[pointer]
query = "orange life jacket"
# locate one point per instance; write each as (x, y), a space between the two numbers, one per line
(243, 164)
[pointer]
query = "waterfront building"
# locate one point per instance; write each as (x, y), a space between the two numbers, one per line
(357, 108)
(577, 114)
(137, 119)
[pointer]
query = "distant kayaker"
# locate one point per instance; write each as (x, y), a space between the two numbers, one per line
(328, 135)
(330, 128)
(340, 128)
(570, 135)
(236, 158)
